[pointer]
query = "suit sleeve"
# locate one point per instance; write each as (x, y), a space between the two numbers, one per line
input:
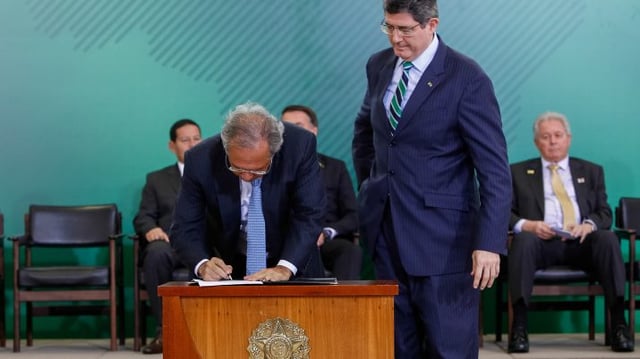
(148, 213)
(482, 130)
(600, 211)
(307, 207)
(188, 231)
(363, 151)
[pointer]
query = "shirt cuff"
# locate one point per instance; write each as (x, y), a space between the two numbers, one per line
(329, 233)
(289, 266)
(592, 223)
(518, 226)
(195, 271)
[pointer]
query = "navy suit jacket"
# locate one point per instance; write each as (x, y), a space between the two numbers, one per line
(293, 203)
(158, 200)
(448, 140)
(588, 181)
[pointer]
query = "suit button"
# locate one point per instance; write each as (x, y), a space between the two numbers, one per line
(392, 172)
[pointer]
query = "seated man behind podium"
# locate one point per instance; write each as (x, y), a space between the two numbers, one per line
(558, 192)
(153, 221)
(259, 182)
(340, 254)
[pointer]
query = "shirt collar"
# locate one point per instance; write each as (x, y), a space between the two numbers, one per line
(562, 164)
(422, 62)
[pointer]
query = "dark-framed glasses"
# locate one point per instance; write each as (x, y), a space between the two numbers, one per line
(240, 171)
(405, 31)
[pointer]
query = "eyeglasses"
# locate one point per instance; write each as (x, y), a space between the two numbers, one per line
(239, 171)
(405, 31)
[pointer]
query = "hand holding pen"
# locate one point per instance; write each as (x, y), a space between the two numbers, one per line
(215, 269)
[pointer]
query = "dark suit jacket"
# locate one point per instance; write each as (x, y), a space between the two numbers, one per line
(588, 181)
(342, 208)
(293, 203)
(448, 140)
(158, 200)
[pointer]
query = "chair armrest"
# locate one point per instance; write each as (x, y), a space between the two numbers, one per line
(117, 236)
(137, 240)
(18, 240)
(629, 234)
(624, 233)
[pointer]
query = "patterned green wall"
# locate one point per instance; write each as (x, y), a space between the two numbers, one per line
(88, 88)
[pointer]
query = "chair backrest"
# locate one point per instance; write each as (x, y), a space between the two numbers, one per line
(71, 225)
(628, 213)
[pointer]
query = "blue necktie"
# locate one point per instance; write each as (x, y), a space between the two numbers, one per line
(256, 232)
(395, 107)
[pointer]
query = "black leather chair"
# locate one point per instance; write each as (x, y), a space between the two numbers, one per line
(628, 224)
(3, 326)
(141, 308)
(558, 282)
(50, 279)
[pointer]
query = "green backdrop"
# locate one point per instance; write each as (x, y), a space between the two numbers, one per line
(88, 89)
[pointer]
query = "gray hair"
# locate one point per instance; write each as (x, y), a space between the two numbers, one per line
(420, 10)
(248, 124)
(549, 116)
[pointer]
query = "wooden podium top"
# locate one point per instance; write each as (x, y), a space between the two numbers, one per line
(343, 288)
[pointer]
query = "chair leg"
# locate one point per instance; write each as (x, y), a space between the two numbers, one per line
(607, 326)
(144, 313)
(136, 325)
(16, 321)
(592, 318)
(480, 324)
(29, 324)
(509, 314)
(3, 330)
(121, 316)
(499, 308)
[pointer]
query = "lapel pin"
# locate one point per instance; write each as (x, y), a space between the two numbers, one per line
(581, 180)
(429, 84)
(531, 172)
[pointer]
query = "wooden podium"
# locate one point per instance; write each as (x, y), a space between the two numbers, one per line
(351, 319)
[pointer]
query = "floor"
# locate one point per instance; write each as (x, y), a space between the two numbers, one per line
(543, 346)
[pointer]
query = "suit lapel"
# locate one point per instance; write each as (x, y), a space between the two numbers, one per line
(228, 193)
(533, 173)
(385, 76)
(431, 78)
(578, 175)
(175, 180)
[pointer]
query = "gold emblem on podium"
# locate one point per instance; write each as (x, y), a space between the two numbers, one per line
(278, 338)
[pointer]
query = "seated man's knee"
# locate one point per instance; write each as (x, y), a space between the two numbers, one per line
(158, 251)
(605, 239)
(524, 241)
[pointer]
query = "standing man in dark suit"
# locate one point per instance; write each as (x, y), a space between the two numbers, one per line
(428, 133)
(254, 153)
(578, 205)
(340, 254)
(153, 221)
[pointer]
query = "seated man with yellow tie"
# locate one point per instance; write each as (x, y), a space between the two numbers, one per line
(560, 215)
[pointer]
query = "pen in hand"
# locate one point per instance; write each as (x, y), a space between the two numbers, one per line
(229, 276)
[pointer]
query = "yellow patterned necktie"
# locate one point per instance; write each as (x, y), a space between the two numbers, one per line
(568, 214)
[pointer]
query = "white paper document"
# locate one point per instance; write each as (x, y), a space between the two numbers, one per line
(215, 283)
